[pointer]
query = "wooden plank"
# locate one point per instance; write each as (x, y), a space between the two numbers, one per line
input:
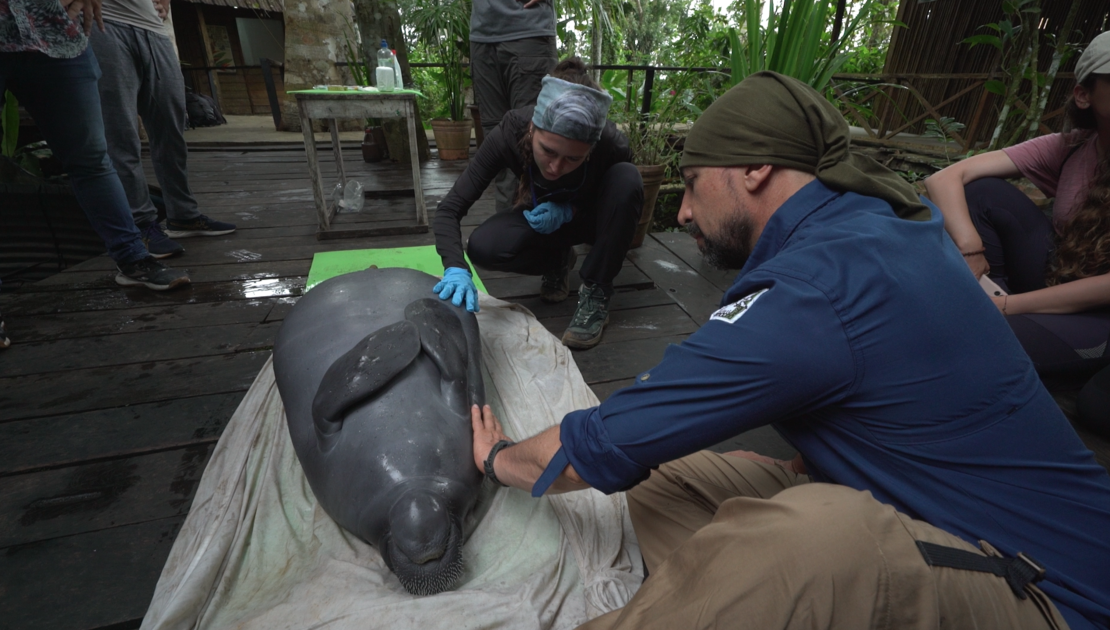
(140, 347)
(525, 286)
(641, 323)
(626, 299)
(622, 359)
(685, 247)
(604, 390)
(98, 580)
(150, 319)
(218, 250)
(102, 388)
(79, 499)
(56, 441)
(696, 295)
(222, 272)
(33, 304)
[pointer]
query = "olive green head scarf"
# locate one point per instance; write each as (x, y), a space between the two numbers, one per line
(773, 119)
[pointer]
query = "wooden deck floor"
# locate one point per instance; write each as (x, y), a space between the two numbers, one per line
(112, 399)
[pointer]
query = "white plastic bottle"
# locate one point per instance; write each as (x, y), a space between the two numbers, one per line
(398, 80)
(384, 75)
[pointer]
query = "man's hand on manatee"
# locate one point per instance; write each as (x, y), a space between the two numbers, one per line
(458, 286)
(487, 433)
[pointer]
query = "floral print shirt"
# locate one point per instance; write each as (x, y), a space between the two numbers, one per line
(39, 26)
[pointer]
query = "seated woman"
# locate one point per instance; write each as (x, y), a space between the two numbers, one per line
(577, 185)
(1054, 270)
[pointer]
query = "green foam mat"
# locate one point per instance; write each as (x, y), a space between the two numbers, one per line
(330, 264)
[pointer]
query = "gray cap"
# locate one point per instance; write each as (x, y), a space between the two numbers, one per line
(571, 110)
(1095, 59)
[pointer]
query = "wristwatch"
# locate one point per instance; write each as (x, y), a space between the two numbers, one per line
(489, 461)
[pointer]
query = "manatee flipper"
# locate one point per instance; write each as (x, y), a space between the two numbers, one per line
(441, 336)
(362, 371)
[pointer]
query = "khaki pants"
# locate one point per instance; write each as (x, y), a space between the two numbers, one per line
(733, 543)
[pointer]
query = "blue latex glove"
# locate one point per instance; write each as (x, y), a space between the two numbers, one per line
(458, 286)
(549, 216)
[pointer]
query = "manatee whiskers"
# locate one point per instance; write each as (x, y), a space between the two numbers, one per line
(422, 583)
(431, 577)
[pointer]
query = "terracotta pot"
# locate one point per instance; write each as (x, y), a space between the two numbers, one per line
(653, 179)
(373, 145)
(452, 138)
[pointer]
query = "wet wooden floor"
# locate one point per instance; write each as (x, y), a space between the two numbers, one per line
(112, 398)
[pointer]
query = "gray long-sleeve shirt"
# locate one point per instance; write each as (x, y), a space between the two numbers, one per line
(493, 21)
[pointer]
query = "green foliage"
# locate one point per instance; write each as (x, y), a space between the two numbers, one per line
(10, 126)
(793, 42)
(443, 28)
(359, 72)
(942, 130)
(1018, 39)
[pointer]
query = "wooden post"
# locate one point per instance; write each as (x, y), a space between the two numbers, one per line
(213, 82)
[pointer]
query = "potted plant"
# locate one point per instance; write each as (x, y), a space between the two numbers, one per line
(443, 26)
(651, 139)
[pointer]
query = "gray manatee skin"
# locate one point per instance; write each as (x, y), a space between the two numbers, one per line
(377, 376)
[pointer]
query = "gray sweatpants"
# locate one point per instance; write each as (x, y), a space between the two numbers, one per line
(508, 75)
(142, 77)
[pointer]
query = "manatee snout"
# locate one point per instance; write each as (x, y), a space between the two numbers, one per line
(424, 544)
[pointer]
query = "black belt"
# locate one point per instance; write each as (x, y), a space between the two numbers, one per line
(1018, 571)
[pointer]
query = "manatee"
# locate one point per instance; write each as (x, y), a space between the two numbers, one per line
(377, 376)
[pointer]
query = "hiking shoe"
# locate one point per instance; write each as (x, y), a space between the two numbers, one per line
(157, 243)
(200, 226)
(151, 274)
(555, 286)
(589, 319)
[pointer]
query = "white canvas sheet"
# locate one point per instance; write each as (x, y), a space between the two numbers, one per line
(257, 551)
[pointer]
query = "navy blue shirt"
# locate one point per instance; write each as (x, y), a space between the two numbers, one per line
(865, 342)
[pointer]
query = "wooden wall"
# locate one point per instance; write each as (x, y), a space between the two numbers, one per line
(931, 44)
(241, 91)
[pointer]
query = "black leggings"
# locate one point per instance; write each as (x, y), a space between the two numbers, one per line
(505, 242)
(1018, 238)
(1066, 349)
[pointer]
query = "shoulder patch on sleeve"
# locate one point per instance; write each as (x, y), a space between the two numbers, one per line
(734, 311)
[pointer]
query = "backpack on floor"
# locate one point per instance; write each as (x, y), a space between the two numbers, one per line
(202, 110)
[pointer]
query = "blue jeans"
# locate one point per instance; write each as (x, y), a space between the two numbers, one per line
(61, 95)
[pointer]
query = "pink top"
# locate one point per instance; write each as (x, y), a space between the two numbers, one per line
(1061, 165)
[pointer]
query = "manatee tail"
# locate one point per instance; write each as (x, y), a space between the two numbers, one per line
(424, 544)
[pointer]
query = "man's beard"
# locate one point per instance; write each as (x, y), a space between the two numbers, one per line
(733, 247)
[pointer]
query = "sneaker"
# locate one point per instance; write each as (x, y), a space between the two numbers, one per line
(589, 319)
(200, 226)
(157, 243)
(555, 286)
(4, 341)
(151, 274)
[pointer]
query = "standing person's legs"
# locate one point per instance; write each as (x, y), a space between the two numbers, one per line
(61, 95)
(1018, 237)
(161, 103)
(508, 75)
(119, 89)
(776, 552)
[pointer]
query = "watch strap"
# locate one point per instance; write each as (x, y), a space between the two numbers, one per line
(489, 461)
